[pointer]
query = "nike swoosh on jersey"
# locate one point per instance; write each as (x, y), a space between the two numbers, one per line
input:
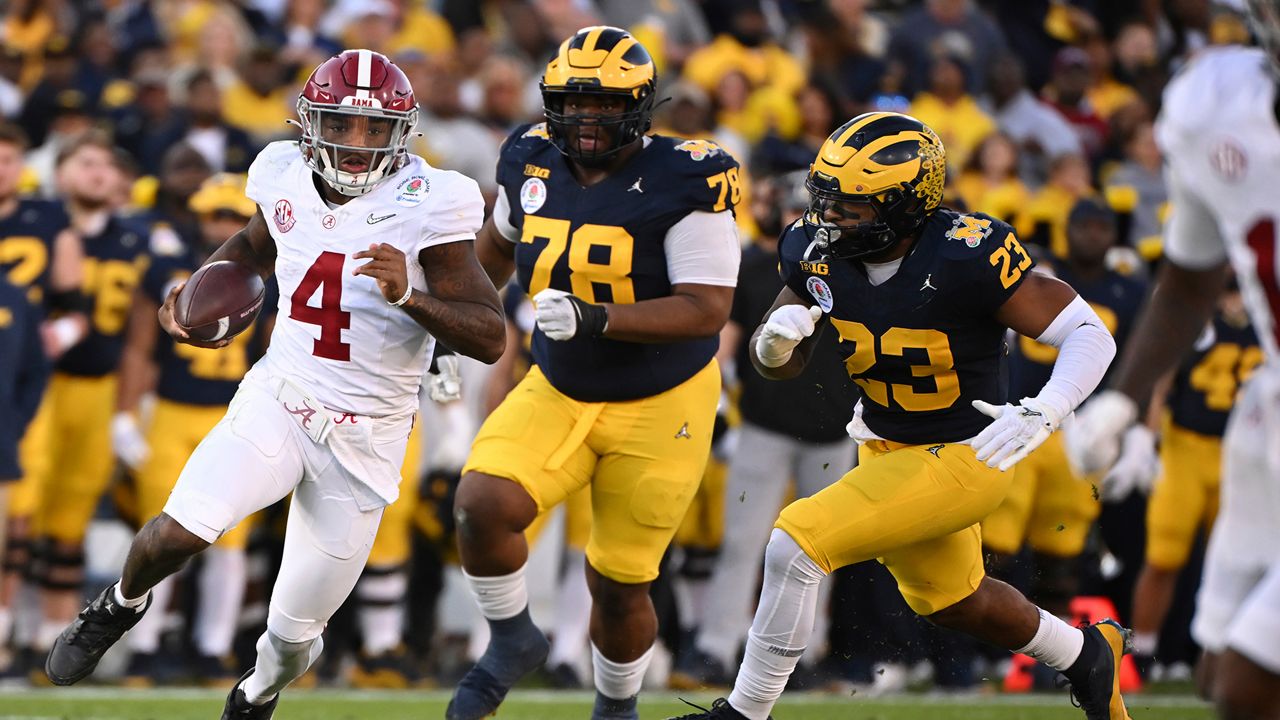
(375, 219)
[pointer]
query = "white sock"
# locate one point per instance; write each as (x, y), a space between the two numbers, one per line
(381, 614)
(691, 595)
(573, 612)
(129, 602)
(6, 625)
(279, 663)
(781, 629)
(501, 596)
(145, 636)
(478, 638)
(47, 633)
(222, 581)
(1055, 644)
(619, 680)
(1144, 643)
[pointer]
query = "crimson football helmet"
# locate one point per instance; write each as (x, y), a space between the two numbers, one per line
(356, 96)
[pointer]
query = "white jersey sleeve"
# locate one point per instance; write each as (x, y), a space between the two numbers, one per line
(1192, 238)
(703, 249)
(270, 165)
(1217, 131)
(502, 219)
(457, 216)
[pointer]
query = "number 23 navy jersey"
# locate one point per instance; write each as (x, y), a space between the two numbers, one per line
(925, 343)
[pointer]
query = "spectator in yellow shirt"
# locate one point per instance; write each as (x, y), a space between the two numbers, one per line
(773, 76)
(1043, 220)
(990, 181)
(259, 101)
(951, 111)
(394, 26)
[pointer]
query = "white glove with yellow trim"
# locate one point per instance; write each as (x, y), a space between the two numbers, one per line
(1015, 432)
(783, 331)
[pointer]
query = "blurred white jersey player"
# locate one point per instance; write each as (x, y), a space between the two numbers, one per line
(1220, 136)
(372, 251)
(1221, 141)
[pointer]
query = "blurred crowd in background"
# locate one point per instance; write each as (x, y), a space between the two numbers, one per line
(1040, 104)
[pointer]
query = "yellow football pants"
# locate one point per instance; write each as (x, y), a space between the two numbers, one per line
(1185, 497)
(915, 508)
(643, 460)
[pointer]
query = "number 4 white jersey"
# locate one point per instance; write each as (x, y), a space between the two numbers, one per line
(335, 333)
(1221, 142)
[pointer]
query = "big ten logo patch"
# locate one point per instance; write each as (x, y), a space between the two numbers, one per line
(815, 268)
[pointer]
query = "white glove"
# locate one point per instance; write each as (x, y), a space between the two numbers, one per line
(783, 331)
(1017, 430)
(1137, 467)
(562, 316)
(127, 441)
(450, 443)
(445, 385)
(1093, 441)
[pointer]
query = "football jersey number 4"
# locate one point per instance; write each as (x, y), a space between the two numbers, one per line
(325, 274)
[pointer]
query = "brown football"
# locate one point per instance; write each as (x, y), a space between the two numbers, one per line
(219, 301)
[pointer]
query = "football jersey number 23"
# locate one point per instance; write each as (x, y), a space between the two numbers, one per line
(894, 342)
(584, 274)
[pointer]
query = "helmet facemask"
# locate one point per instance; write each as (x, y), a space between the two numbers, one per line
(860, 239)
(624, 127)
(328, 132)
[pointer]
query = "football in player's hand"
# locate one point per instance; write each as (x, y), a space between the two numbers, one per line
(219, 301)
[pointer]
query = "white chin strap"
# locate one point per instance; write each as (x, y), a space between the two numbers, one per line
(353, 184)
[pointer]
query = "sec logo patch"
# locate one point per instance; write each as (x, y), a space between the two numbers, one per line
(533, 193)
(284, 216)
(821, 292)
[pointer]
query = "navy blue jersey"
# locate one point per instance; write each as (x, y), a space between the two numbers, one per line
(115, 260)
(925, 343)
(201, 376)
(1115, 297)
(1205, 388)
(26, 245)
(604, 243)
(23, 371)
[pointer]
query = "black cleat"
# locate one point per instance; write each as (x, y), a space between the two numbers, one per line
(516, 648)
(720, 710)
(1095, 676)
(78, 649)
(238, 706)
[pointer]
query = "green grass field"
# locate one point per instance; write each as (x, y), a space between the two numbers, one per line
(105, 704)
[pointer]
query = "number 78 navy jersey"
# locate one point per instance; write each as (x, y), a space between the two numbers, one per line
(924, 344)
(605, 244)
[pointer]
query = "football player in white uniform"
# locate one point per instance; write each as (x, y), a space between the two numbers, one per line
(326, 413)
(1218, 131)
